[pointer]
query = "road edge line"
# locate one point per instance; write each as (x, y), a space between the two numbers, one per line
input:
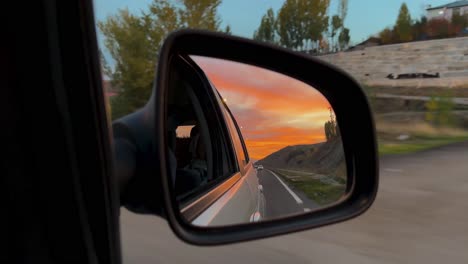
(293, 194)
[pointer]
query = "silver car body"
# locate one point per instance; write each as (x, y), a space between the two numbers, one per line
(244, 201)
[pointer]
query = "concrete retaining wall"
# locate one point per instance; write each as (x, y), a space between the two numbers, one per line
(448, 57)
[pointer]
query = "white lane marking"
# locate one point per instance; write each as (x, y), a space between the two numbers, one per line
(307, 210)
(298, 200)
(393, 170)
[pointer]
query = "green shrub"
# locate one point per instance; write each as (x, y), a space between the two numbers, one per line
(439, 110)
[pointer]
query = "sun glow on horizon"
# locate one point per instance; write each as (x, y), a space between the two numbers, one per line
(272, 110)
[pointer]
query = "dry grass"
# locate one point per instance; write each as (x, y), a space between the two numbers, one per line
(417, 128)
(457, 90)
(422, 136)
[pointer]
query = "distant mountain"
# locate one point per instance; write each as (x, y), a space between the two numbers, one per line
(322, 158)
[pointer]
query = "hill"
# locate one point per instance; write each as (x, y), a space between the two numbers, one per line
(325, 158)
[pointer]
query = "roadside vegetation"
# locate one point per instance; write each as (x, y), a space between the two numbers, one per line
(407, 29)
(418, 143)
(324, 179)
(408, 126)
(321, 189)
(439, 128)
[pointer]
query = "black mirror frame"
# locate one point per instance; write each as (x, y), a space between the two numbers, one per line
(345, 96)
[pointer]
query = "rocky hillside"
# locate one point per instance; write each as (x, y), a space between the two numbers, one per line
(323, 158)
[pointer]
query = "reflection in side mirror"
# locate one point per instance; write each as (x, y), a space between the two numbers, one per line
(268, 147)
(256, 124)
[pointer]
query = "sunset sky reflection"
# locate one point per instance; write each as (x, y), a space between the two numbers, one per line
(272, 109)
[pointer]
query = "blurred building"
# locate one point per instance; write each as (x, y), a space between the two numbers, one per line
(448, 10)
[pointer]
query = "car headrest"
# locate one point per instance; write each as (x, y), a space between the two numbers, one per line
(196, 147)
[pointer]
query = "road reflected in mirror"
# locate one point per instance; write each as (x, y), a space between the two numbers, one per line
(280, 154)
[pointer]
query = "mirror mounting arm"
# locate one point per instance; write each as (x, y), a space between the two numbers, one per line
(135, 171)
(124, 163)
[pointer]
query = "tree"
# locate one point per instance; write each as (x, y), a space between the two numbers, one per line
(267, 30)
(338, 27)
(441, 28)
(403, 24)
(133, 42)
(343, 10)
(290, 30)
(200, 14)
(419, 29)
(336, 24)
(331, 127)
(344, 38)
(126, 39)
(331, 130)
(227, 30)
(406, 30)
(328, 133)
(387, 36)
(323, 45)
(302, 22)
(459, 20)
(316, 19)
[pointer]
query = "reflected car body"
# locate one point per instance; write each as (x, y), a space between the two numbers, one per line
(243, 201)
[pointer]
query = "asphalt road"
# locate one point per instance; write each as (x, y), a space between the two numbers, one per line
(420, 216)
(281, 200)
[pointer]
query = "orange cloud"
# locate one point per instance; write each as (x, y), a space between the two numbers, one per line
(272, 141)
(272, 109)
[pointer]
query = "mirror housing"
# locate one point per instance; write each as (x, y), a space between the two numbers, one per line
(343, 93)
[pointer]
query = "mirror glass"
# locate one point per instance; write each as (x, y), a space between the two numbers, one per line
(248, 144)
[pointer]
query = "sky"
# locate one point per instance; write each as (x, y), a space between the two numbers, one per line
(272, 110)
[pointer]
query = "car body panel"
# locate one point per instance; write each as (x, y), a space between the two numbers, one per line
(242, 203)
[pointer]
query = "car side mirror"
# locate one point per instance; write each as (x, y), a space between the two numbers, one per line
(221, 179)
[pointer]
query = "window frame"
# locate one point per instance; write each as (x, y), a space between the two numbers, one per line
(204, 127)
(235, 131)
(59, 173)
(198, 203)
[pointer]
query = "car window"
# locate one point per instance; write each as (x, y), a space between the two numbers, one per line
(236, 135)
(189, 141)
(201, 154)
